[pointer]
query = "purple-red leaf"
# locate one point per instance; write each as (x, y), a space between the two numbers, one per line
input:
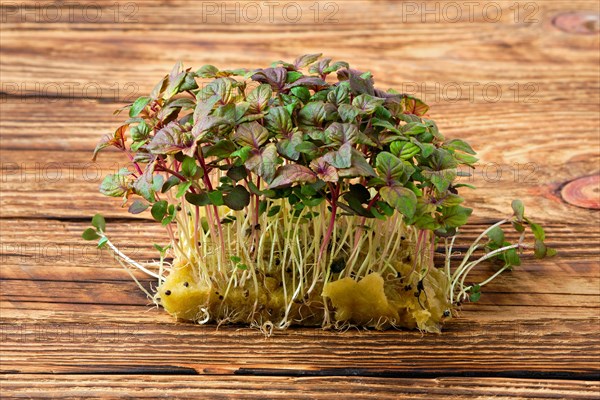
(251, 134)
(172, 139)
(290, 174)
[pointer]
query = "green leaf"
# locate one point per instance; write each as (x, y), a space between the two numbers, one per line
(273, 211)
(251, 134)
(460, 145)
(207, 71)
(538, 231)
(389, 166)
(90, 234)
(216, 197)
(116, 185)
(348, 112)
(237, 173)
(242, 153)
(287, 146)
(496, 235)
(401, 198)
(279, 121)
(172, 139)
(474, 297)
(455, 216)
(189, 167)
(366, 103)
(511, 257)
(518, 208)
(339, 134)
(138, 106)
(404, 150)
(440, 179)
(238, 198)
(539, 249)
(199, 200)
(159, 210)
(144, 184)
(138, 206)
(259, 98)
(306, 60)
(99, 223)
(338, 95)
(221, 149)
(289, 174)
(341, 158)
(312, 114)
(182, 188)
(263, 162)
(169, 183)
(302, 93)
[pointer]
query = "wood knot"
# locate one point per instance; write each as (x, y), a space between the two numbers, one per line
(583, 192)
(579, 23)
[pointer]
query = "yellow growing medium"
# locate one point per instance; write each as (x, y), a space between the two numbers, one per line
(373, 301)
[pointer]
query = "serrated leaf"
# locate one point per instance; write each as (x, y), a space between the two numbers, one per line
(275, 77)
(143, 185)
(289, 174)
(367, 103)
(278, 121)
(138, 105)
(259, 98)
(389, 166)
(263, 161)
(251, 134)
(401, 198)
(456, 216)
(116, 185)
(324, 170)
(172, 139)
(348, 112)
(339, 134)
(306, 60)
(287, 146)
(312, 114)
(221, 149)
(460, 145)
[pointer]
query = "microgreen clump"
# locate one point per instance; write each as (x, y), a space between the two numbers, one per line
(300, 194)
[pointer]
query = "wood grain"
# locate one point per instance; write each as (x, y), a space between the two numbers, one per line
(72, 322)
(249, 387)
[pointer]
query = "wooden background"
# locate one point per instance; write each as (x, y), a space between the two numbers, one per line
(75, 325)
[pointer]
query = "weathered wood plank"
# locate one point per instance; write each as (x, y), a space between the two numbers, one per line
(552, 348)
(479, 50)
(251, 387)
